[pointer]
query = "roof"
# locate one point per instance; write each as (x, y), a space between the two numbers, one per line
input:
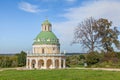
(46, 22)
(46, 37)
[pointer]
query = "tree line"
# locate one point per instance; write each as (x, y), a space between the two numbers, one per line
(17, 60)
(94, 59)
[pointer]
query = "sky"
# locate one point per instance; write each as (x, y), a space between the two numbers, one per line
(20, 20)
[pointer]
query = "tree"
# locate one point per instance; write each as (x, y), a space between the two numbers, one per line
(107, 34)
(5, 61)
(14, 61)
(96, 34)
(92, 58)
(21, 58)
(86, 34)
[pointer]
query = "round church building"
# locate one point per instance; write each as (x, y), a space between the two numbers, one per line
(46, 50)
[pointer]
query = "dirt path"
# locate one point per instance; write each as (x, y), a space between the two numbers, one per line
(18, 68)
(106, 69)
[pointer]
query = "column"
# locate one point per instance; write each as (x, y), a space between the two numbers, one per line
(26, 63)
(47, 28)
(64, 65)
(60, 63)
(45, 63)
(30, 66)
(53, 65)
(50, 28)
(36, 64)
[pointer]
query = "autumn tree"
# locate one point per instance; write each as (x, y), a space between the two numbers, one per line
(107, 34)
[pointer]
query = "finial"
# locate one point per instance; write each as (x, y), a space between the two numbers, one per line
(46, 17)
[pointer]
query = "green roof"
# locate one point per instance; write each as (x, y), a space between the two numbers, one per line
(46, 22)
(46, 37)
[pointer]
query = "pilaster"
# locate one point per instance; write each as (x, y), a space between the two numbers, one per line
(60, 63)
(53, 60)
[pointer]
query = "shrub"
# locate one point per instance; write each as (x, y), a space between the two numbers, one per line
(92, 58)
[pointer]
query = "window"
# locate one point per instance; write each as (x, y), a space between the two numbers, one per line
(53, 48)
(45, 28)
(43, 51)
(38, 40)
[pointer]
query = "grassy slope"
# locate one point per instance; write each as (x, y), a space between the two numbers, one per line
(59, 75)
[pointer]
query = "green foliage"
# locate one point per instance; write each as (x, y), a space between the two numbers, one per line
(13, 61)
(92, 58)
(8, 61)
(107, 34)
(111, 59)
(118, 54)
(95, 59)
(98, 34)
(105, 64)
(21, 59)
(73, 60)
(111, 56)
(63, 74)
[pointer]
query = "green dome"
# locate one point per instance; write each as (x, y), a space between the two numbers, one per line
(46, 22)
(46, 37)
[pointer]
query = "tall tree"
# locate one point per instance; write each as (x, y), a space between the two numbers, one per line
(21, 58)
(86, 34)
(107, 34)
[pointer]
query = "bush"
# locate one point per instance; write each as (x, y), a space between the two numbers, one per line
(92, 58)
(75, 60)
(110, 57)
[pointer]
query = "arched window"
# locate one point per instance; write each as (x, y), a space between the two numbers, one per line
(53, 49)
(45, 28)
(43, 51)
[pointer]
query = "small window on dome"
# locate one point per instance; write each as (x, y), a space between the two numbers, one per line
(38, 40)
(53, 40)
(43, 40)
(48, 39)
(53, 49)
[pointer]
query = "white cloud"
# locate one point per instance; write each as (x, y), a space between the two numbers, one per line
(105, 9)
(98, 9)
(29, 7)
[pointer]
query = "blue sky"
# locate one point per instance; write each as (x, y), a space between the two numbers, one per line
(20, 20)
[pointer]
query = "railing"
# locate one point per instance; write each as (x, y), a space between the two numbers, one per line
(38, 54)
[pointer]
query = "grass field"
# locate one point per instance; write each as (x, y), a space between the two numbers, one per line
(65, 74)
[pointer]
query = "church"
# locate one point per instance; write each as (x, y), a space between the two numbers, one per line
(46, 50)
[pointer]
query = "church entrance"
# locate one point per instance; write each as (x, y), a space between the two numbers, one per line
(56, 63)
(40, 63)
(49, 63)
(33, 63)
(62, 63)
